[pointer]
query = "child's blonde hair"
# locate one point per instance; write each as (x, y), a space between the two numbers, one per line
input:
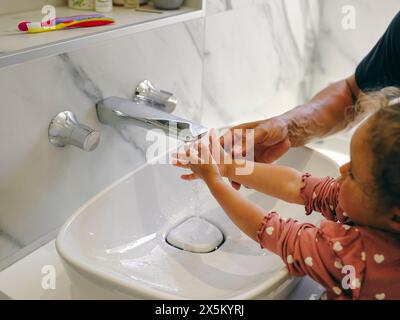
(384, 140)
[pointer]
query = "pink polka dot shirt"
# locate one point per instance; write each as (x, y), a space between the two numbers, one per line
(351, 262)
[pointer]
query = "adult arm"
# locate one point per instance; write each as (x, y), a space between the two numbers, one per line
(330, 111)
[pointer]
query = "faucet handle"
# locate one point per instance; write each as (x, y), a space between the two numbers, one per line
(65, 129)
(146, 91)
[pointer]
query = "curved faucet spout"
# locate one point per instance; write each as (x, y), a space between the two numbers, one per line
(114, 110)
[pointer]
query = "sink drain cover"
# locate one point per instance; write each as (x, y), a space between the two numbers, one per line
(195, 235)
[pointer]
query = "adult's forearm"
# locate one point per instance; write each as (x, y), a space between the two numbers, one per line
(329, 112)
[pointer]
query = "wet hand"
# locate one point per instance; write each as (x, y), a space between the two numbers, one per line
(206, 162)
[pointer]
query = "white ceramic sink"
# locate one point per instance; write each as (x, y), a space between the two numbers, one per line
(114, 246)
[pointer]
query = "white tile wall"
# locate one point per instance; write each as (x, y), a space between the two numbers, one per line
(250, 71)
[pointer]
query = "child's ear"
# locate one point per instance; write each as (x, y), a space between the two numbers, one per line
(395, 223)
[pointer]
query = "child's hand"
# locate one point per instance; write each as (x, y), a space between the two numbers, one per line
(207, 163)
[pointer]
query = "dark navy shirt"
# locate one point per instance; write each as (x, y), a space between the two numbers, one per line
(381, 67)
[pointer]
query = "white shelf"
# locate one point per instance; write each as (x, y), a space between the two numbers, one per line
(17, 47)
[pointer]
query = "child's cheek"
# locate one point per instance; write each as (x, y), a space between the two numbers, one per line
(345, 197)
(352, 201)
(342, 198)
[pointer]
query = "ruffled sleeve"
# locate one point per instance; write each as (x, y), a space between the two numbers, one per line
(326, 254)
(322, 195)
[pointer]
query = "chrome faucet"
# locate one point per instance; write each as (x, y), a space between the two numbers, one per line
(150, 109)
(64, 129)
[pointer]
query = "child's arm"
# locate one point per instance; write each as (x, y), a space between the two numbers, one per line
(244, 213)
(316, 194)
(277, 181)
(281, 182)
(304, 248)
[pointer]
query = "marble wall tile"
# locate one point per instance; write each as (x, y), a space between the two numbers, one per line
(340, 50)
(38, 182)
(257, 60)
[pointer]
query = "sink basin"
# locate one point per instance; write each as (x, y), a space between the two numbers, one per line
(114, 247)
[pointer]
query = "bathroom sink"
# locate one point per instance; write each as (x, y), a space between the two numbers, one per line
(114, 247)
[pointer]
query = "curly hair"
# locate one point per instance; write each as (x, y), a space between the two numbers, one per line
(385, 143)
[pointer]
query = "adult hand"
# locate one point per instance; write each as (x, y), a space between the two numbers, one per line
(271, 140)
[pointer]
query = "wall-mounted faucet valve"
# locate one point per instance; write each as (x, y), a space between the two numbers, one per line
(164, 100)
(65, 129)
